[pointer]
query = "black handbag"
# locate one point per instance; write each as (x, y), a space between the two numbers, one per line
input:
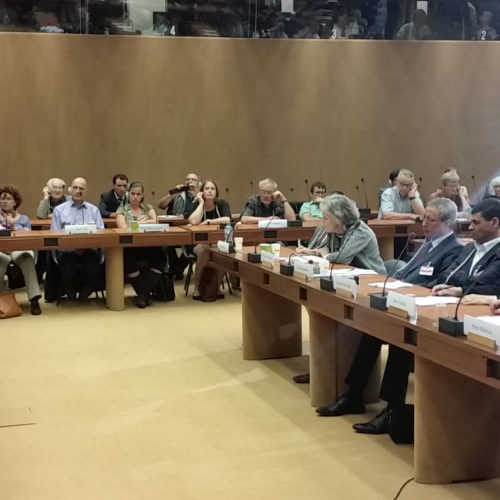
(15, 276)
(164, 291)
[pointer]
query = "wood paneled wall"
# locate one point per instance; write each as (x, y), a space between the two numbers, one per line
(237, 110)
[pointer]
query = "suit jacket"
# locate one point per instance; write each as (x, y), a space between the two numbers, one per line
(108, 203)
(484, 278)
(440, 258)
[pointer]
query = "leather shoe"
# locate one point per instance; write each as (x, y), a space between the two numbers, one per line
(301, 379)
(85, 293)
(377, 425)
(344, 405)
(35, 308)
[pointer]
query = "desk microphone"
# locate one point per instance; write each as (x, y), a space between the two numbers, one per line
(357, 195)
(287, 269)
(251, 187)
(364, 212)
(364, 192)
(307, 187)
(421, 186)
(227, 195)
(454, 326)
(379, 300)
(327, 283)
(478, 199)
(153, 197)
(254, 257)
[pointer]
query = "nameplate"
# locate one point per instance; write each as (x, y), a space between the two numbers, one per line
(303, 270)
(80, 229)
(347, 285)
(272, 224)
(484, 330)
(225, 247)
(153, 228)
(267, 257)
(401, 305)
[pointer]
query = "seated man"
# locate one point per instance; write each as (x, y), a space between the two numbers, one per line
(439, 251)
(393, 177)
(403, 200)
(77, 211)
(268, 204)
(310, 209)
(112, 200)
(477, 269)
(451, 189)
(53, 195)
(183, 197)
(181, 200)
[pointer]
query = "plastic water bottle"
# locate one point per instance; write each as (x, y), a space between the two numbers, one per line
(228, 233)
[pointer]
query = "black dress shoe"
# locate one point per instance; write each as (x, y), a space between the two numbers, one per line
(35, 307)
(301, 379)
(377, 425)
(344, 405)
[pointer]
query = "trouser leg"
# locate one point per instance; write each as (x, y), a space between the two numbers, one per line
(26, 263)
(397, 371)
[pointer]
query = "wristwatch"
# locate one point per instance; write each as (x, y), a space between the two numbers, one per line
(411, 198)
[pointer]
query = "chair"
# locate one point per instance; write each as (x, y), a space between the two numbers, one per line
(391, 268)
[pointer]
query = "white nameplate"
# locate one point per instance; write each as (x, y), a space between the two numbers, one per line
(80, 228)
(223, 246)
(483, 326)
(272, 224)
(268, 257)
(153, 228)
(403, 302)
(303, 269)
(347, 284)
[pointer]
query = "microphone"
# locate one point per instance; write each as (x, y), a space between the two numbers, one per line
(478, 198)
(379, 300)
(454, 326)
(357, 195)
(293, 204)
(421, 186)
(307, 187)
(327, 283)
(287, 269)
(254, 257)
(251, 187)
(364, 191)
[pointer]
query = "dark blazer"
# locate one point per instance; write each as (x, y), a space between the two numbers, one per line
(108, 203)
(485, 277)
(440, 258)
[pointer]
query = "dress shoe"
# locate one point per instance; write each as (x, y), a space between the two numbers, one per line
(344, 405)
(139, 302)
(301, 379)
(35, 307)
(85, 293)
(377, 425)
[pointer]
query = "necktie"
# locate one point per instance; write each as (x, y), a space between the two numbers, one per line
(421, 255)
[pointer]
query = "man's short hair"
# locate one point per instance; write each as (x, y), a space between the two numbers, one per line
(446, 208)
(318, 184)
(449, 177)
(268, 180)
(393, 175)
(404, 172)
(488, 209)
(123, 177)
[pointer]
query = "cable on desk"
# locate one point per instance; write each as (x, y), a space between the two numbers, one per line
(402, 487)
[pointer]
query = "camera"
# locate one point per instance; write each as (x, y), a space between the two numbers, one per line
(179, 190)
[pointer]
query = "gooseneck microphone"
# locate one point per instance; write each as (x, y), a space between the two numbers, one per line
(306, 182)
(327, 283)
(454, 326)
(379, 300)
(251, 187)
(478, 197)
(421, 189)
(364, 192)
(254, 257)
(357, 194)
(227, 195)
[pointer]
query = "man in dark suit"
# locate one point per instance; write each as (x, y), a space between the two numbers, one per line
(477, 269)
(438, 252)
(111, 200)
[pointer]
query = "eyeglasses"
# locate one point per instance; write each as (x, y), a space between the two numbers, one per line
(268, 193)
(319, 192)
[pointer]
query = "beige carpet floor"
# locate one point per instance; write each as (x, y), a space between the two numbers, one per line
(158, 404)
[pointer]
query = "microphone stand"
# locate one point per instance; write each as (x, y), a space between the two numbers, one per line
(364, 212)
(307, 187)
(379, 300)
(254, 257)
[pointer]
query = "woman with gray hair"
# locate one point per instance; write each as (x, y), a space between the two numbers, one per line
(344, 238)
(494, 187)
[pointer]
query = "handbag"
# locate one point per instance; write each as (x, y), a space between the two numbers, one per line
(9, 307)
(164, 291)
(15, 276)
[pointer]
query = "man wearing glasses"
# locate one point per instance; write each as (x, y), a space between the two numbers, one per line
(403, 200)
(268, 204)
(310, 210)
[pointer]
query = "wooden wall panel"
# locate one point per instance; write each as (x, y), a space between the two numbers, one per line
(237, 110)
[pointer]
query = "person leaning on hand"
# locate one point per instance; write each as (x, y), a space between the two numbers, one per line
(53, 195)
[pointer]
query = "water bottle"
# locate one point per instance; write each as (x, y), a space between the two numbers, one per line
(228, 233)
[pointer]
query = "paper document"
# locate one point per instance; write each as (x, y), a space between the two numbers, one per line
(435, 301)
(392, 285)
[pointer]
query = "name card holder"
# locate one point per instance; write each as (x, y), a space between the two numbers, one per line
(80, 229)
(303, 270)
(482, 341)
(403, 306)
(225, 247)
(272, 224)
(153, 228)
(345, 287)
(483, 331)
(267, 259)
(396, 311)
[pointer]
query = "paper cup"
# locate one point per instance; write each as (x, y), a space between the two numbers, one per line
(275, 248)
(238, 243)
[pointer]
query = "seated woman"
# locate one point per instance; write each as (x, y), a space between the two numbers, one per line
(143, 266)
(451, 189)
(494, 188)
(53, 195)
(209, 210)
(10, 199)
(346, 239)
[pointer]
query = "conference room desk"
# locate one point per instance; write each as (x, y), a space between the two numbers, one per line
(113, 240)
(457, 384)
(39, 224)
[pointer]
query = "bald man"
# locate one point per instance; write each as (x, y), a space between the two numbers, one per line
(78, 211)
